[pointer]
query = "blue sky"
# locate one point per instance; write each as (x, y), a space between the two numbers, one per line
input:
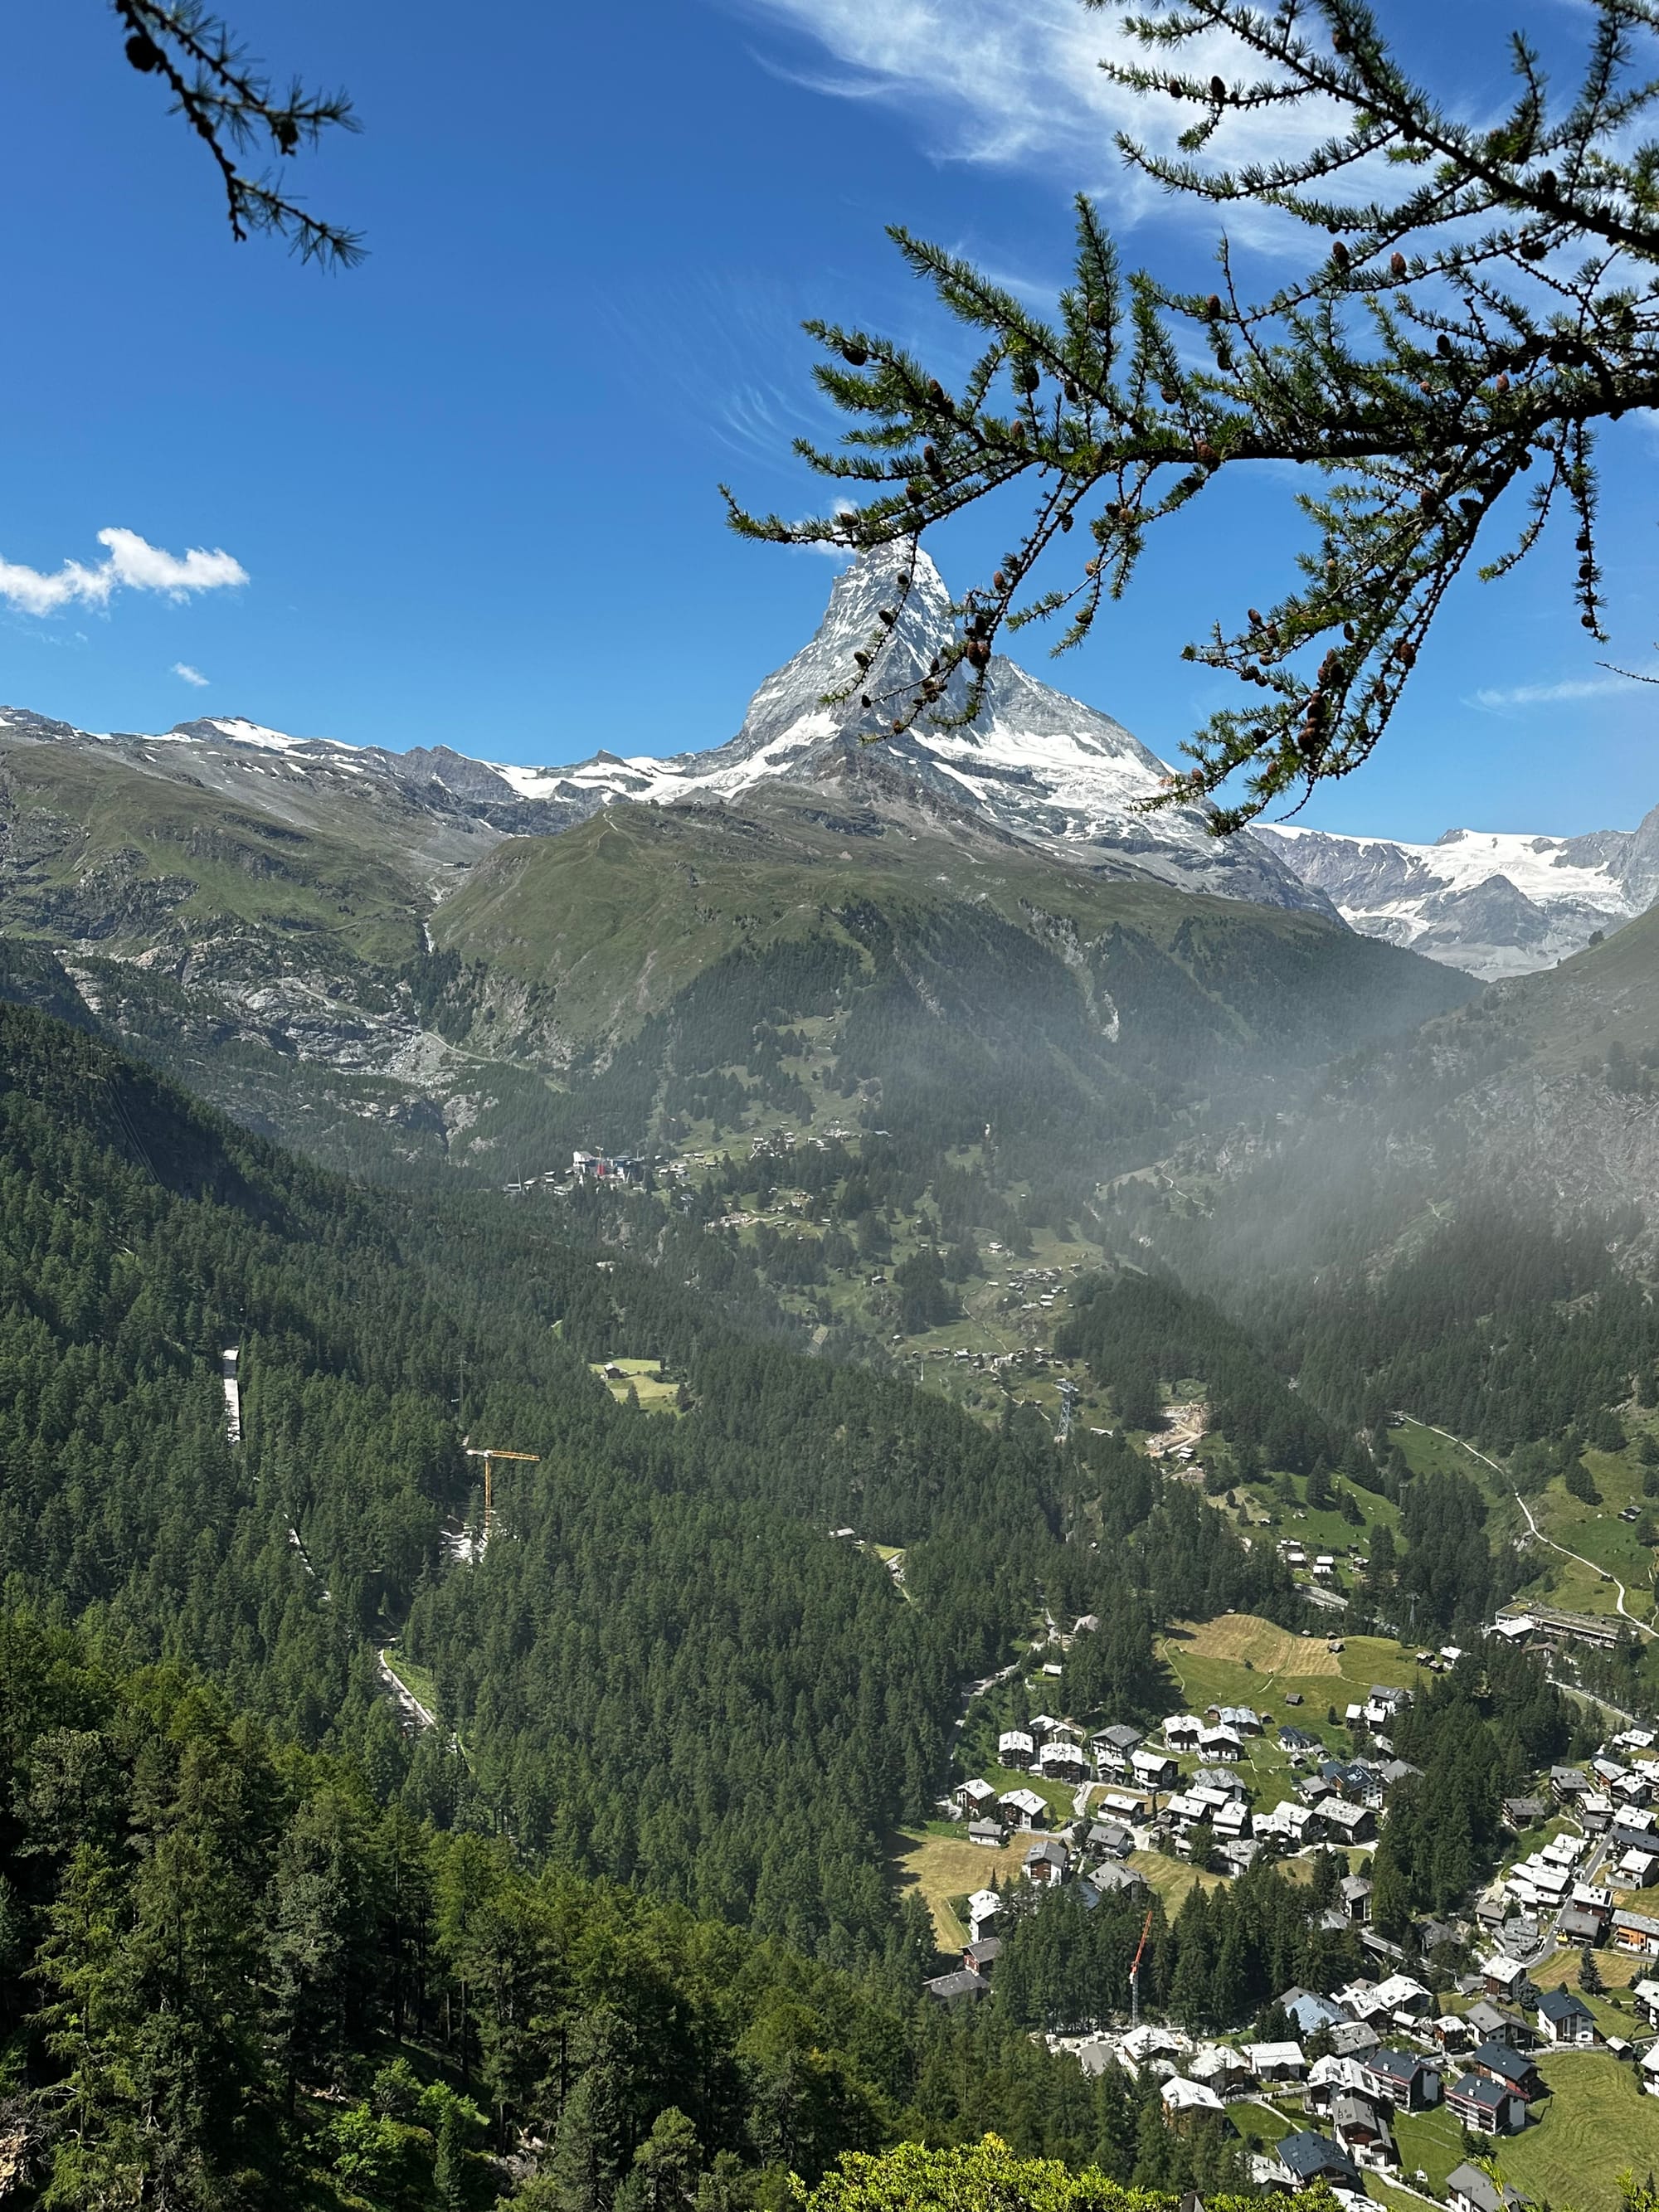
(472, 485)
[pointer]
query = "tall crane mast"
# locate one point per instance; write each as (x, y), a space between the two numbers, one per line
(489, 1456)
(1134, 1974)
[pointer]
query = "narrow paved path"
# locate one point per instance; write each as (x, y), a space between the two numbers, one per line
(978, 1689)
(1411, 1422)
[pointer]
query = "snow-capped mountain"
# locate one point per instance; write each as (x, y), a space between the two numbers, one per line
(1495, 903)
(1035, 765)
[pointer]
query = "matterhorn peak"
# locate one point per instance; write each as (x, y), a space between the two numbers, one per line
(1032, 763)
(900, 579)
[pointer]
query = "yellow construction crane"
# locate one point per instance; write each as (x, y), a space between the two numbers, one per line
(489, 1457)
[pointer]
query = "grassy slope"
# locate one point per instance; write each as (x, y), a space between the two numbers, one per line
(624, 910)
(1595, 1532)
(1596, 2124)
(1609, 993)
(1209, 1661)
(944, 1865)
(246, 867)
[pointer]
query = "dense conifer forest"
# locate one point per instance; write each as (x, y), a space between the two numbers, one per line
(235, 1971)
(613, 1925)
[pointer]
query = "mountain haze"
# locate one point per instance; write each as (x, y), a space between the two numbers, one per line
(402, 959)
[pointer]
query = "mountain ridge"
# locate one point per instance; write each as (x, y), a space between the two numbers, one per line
(1498, 904)
(1035, 763)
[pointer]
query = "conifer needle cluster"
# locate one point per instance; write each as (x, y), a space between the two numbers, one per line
(1478, 302)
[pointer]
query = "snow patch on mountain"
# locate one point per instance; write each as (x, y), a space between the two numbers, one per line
(1034, 763)
(1493, 903)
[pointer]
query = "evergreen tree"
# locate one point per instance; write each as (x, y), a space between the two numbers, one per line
(1125, 406)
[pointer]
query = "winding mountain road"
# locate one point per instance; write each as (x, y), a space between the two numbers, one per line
(1412, 1421)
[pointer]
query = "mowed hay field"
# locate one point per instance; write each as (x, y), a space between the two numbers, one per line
(1242, 1660)
(1597, 2126)
(1618, 1968)
(1269, 1649)
(644, 1378)
(943, 1867)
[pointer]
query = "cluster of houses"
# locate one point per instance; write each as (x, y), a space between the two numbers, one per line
(1383, 2051)
(1617, 1801)
(607, 1167)
(1144, 1798)
(1380, 2048)
(1320, 1565)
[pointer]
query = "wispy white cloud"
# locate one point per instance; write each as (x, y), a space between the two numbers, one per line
(131, 563)
(1024, 86)
(1551, 695)
(191, 675)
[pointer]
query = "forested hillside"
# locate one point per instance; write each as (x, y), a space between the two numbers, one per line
(141, 1238)
(662, 1667)
(234, 1972)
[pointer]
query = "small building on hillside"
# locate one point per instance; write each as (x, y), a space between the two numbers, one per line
(1061, 1761)
(1353, 1894)
(1360, 2125)
(1154, 1769)
(1110, 1836)
(1489, 2023)
(963, 1987)
(1046, 1863)
(1346, 1823)
(1566, 2020)
(1023, 1808)
(1404, 1996)
(1578, 1925)
(1115, 1744)
(1307, 2159)
(1478, 2102)
(1406, 2078)
(1015, 1747)
(1308, 2012)
(1112, 1877)
(1184, 2100)
(1276, 2061)
(1513, 2068)
(1223, 2069)
(1502, 1977)
(1468, 2189)
(1635, 1931)
(987, 1834)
